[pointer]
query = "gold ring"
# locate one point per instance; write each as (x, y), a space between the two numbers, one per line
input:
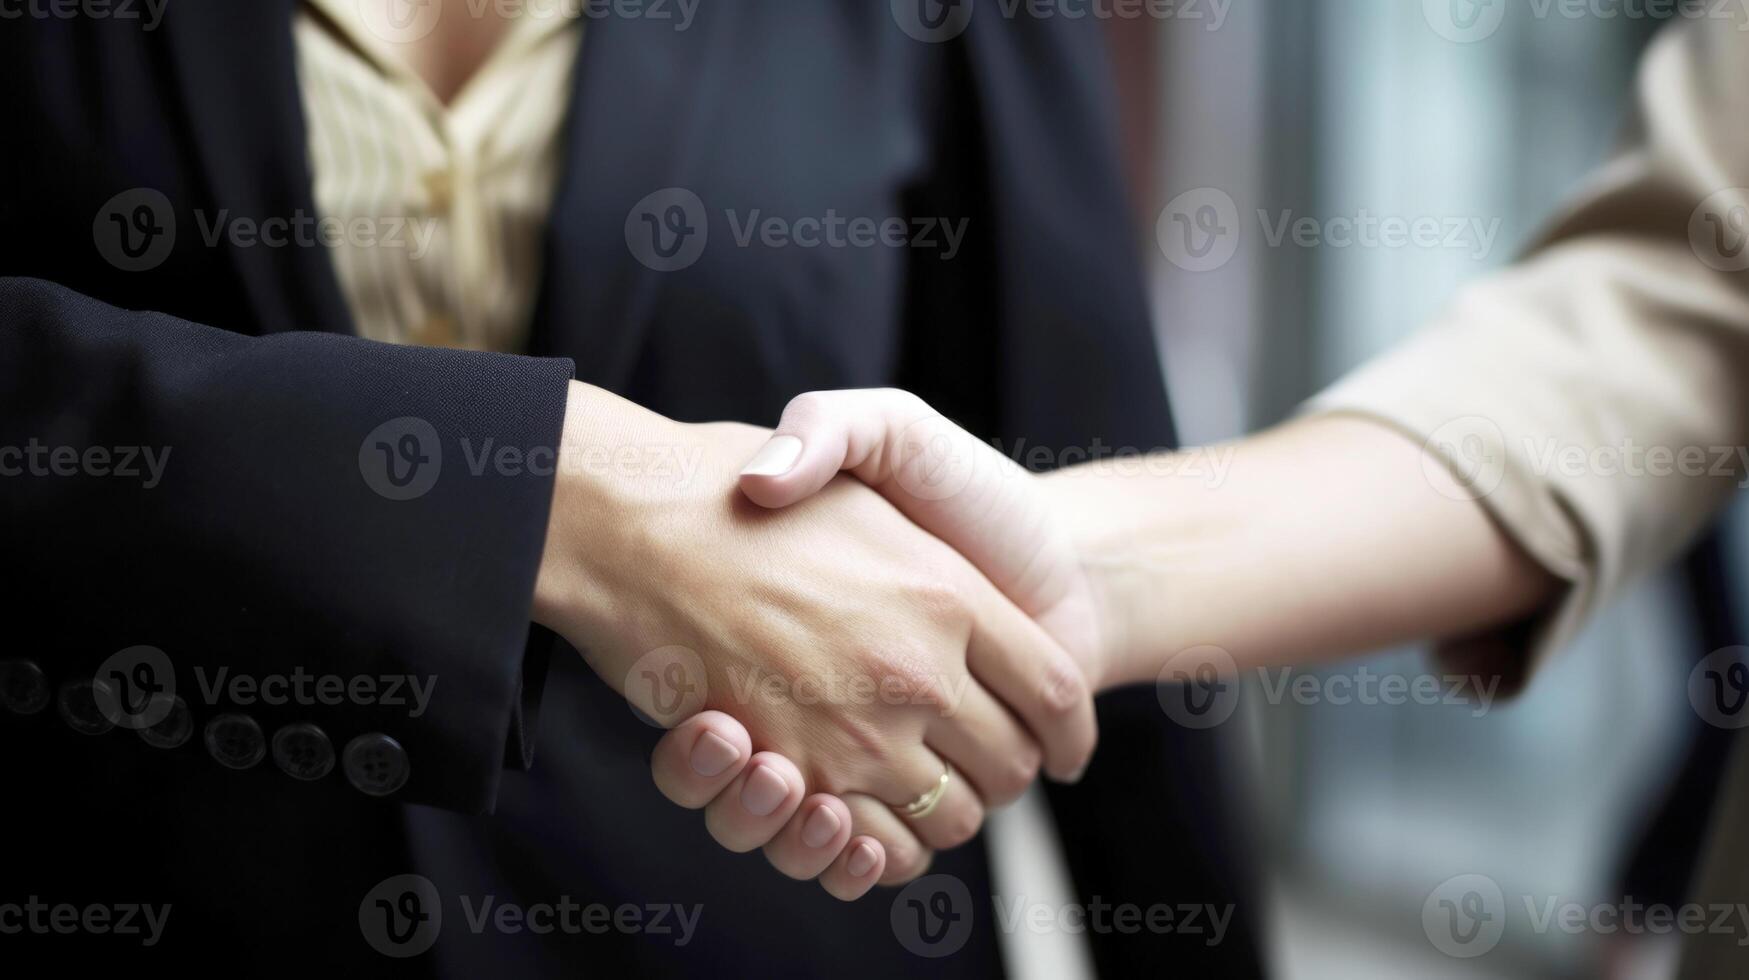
(924, 805)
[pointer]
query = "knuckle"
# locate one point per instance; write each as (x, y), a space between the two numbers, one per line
(960, 827)
(809, 406)
(940, 597)
(902, 674)
(1014, 778)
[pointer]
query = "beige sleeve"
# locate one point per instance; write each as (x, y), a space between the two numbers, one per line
(1595, 397)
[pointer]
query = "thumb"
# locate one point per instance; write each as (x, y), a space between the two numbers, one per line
(942, 477)
(881, 435)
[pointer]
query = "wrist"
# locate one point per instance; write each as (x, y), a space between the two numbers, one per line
(588, 508)
(1144, 539)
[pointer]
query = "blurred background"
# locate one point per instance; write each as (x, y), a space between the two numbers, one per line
(1593, 787)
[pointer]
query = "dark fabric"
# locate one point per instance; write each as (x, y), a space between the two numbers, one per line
(1658, 865)
(269, 550)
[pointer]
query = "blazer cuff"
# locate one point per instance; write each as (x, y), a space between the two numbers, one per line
(1492, 469)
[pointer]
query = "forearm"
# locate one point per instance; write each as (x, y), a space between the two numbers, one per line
(1324, 537)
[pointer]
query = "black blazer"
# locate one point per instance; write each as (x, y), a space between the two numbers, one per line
(263, 549)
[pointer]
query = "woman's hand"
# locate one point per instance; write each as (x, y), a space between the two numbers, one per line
(1136, 563)
(999, 516)
(861, 654)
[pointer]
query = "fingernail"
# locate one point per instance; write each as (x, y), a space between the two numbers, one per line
(765, 789)
(712, 753)
(776, 457)
(820, 828)
(862, 861)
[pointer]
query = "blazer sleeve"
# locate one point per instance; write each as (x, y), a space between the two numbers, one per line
(314, 530)
(1593, 398)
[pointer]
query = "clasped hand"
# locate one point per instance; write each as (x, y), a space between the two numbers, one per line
(877, 600)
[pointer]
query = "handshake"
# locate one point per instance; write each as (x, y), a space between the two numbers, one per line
(862, 630)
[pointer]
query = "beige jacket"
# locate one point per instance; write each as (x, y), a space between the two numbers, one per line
(1596, 397)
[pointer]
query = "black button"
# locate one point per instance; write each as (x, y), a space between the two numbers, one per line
(23, 688)
(173, 730)
(303, 751)
(376, 764)
(235, 741)
(78, 706)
